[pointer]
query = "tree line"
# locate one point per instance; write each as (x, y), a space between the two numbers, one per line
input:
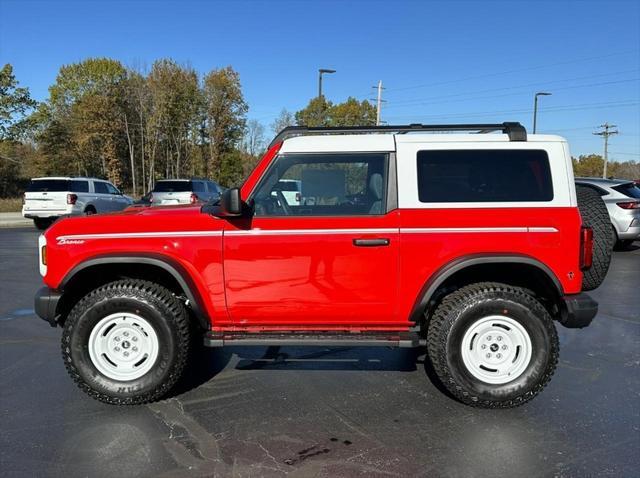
(133, 127)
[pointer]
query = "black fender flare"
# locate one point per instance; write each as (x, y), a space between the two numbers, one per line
(177, 271)
(456, 265)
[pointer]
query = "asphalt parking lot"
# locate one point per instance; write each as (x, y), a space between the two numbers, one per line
(317, 411)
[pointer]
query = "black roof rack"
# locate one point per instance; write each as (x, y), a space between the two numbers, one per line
(515, 130)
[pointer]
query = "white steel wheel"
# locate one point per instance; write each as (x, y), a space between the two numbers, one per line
(496, 349)
(123, 346)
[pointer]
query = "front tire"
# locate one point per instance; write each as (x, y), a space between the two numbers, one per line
(127, 342)
(492, 345)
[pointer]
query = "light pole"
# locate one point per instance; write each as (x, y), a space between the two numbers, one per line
(320, 73)
(535, 107)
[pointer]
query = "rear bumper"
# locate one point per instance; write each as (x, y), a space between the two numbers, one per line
(631, 233)
(46, 303)
(577, 310)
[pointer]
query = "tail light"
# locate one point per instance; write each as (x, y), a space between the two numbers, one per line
(586, 248)
(193, 198)
(24, 198)
(298, 197)
(72, 198)
(629, 204)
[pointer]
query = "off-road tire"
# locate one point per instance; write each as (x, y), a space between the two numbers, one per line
(595, 215)
(157, 305)
(460, 310)
(42, 223)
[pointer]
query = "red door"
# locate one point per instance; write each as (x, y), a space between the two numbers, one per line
(327, 259)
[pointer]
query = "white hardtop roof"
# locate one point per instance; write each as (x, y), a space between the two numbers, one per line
(380, 142)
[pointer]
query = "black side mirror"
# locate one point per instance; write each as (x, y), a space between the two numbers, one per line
(229, 205)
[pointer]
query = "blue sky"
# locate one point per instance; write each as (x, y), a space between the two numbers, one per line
(440, 61)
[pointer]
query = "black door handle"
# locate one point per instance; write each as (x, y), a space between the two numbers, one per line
(371, 242)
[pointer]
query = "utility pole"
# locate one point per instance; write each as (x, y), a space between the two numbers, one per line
(379, 101)
(608, 131)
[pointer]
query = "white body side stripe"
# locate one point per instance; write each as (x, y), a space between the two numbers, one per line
(139, 235)
(296, 232)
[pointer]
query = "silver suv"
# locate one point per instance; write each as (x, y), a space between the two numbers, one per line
(47, 199)
(184, 191)
(622, 198)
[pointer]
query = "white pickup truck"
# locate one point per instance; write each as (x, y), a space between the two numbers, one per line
(47, 199)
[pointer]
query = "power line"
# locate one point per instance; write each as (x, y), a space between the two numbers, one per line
(619, 103)
(543, 85)
(607, 131)
(538, 67)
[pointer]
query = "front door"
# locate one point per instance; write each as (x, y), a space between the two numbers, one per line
(325, 257)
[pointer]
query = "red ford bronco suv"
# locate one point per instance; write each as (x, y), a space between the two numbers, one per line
(469, 244)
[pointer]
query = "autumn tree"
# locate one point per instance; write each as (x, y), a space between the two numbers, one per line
(590, 165)
(225, 118)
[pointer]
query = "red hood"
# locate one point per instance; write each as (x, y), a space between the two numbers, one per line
(138, 219)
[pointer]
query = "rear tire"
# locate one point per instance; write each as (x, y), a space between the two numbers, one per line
(42, 223)
(492, 345)
(595, 215)
(90, 210)
(127, 342)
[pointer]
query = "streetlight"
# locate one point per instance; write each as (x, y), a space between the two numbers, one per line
(320, 72)
(535, 107)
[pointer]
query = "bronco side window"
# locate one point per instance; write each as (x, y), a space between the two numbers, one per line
(336, 184)
(484, 176)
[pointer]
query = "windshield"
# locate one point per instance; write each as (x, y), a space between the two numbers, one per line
(172, 186)
(629, 189)
(46, 185)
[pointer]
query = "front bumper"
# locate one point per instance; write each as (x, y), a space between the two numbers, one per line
(577, 310)
(46, 303)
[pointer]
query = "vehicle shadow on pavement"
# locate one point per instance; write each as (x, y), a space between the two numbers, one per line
(327, 358)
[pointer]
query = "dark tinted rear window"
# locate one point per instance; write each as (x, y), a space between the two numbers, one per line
(79, 186)
(100, 187)
(484, 176)
(172, 186)
(53, 185)
(629, 189)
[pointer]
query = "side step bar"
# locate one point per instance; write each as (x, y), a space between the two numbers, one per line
(324, 339)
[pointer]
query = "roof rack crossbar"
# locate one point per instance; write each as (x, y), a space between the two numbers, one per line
(514, 130)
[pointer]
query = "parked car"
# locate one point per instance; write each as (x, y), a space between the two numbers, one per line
(622, 198)
(184, 191)
(469, 244)
(291, 191)
(47, 199)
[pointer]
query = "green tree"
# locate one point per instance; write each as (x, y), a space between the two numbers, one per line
(225, 118)
(352, 113)
(320, 112)
(15, 103)
(316, 113)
